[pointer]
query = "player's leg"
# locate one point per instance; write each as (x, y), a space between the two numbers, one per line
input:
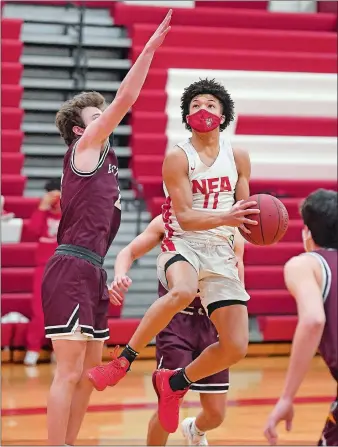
(182, 279)
(156, 433)
(70, 356)
(83, 391)
(210, 417)
(330, 433)
(232, 326)
(175, 346)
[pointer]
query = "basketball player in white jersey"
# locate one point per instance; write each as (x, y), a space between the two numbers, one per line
(203, 178)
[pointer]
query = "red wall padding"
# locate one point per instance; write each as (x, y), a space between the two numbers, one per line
(271, 302)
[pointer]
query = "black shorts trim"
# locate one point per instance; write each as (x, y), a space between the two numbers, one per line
(206, 388)
(176, 258)
(223, 303)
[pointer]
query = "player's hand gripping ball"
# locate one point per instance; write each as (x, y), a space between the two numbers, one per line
(273, 221)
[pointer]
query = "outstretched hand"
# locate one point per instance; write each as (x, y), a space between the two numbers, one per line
(158, 37)
(283, 411)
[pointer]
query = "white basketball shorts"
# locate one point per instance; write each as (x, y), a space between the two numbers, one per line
(216, 266)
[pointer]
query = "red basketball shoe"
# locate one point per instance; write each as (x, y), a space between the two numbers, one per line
(169, 401)
(110, 374)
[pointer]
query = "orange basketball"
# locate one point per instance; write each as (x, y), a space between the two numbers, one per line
(272, 221)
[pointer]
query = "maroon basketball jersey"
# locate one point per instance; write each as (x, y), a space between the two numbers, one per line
(329, 343)
(90, 203)
(162, 291)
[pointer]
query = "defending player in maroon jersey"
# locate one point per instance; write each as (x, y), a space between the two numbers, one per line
(312, 280)
(74, 292)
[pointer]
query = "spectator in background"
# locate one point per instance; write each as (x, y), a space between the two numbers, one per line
(43, 226)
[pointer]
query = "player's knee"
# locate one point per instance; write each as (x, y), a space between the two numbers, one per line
(183, 295)
(71, 376)
(216, 415)
(236, 347)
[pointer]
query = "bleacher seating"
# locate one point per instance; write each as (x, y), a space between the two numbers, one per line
(285, 95)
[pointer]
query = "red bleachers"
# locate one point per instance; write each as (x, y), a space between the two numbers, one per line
(15, 279)
(18, 255)
(271, 302)
(233, 4)
(17, 302)
(241, 39)
(11, 163)
(241, 60)
(121, 330)
(11, 50)
(277, 328)
(128, 15)
(11, 118)
(11, 95)
(11, 140)
(11, 73)
(12, 185)
(11, 28)
(22, 206)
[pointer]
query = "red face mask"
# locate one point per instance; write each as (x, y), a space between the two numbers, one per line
(203, 121)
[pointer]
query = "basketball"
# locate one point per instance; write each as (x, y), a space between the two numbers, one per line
(272, 221)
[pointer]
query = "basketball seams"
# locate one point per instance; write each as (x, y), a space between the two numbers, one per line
(260, 218)
(278, 208)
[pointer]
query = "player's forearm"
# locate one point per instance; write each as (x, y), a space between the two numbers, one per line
(132, 84)
(193, 220)
(305, 343)
(123, 262)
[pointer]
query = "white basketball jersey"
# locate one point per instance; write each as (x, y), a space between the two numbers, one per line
(213, 191)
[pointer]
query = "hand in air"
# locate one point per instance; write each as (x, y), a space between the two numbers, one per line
(283, 411)
(158, 37)
(238, 215)
(118, 288)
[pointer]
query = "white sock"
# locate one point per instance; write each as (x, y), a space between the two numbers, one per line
(196, 430)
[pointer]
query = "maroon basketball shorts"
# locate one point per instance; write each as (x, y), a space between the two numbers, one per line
(75, 299)
(185, 337)
(330, 432)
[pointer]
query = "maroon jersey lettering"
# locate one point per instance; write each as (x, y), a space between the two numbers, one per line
(90, 203)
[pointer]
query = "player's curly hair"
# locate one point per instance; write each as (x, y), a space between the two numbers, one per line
(208, 87)
(69, 114)
(320, 214)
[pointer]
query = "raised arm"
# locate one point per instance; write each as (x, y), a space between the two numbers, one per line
(99, 130)
(303, 279)
(175, 176)
(243, 165)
